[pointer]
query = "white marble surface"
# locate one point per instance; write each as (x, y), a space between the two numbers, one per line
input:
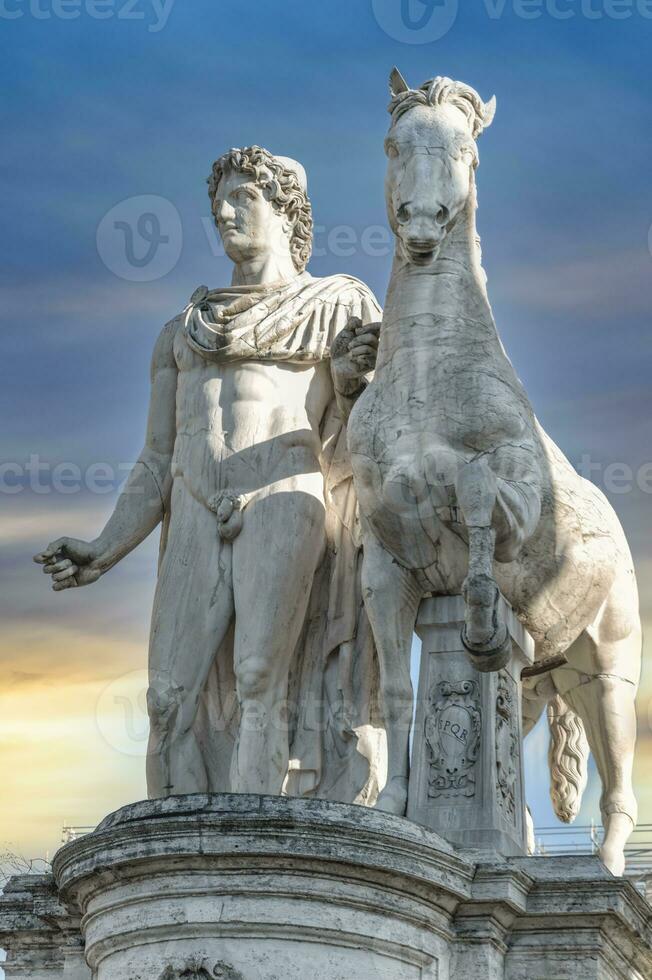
(262, 667)
(461, 490)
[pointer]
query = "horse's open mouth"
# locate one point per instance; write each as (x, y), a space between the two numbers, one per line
(421, 253)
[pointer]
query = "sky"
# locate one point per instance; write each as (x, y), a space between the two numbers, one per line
(115, 120)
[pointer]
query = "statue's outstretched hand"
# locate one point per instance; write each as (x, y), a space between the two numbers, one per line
(71, 563)
(354, 353)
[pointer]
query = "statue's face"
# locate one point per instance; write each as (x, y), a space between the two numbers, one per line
(249, 225)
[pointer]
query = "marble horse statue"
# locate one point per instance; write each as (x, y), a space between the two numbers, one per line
(461, 491)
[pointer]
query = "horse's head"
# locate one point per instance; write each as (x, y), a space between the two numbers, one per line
(431, 147)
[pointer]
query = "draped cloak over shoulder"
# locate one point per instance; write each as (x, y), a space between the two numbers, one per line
(337, 740)
(295, 321)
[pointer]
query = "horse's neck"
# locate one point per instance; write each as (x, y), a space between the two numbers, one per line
(448, 297)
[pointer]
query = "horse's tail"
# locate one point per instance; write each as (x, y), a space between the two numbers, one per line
(568, 759)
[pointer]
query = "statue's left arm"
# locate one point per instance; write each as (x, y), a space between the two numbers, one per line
(141, 505)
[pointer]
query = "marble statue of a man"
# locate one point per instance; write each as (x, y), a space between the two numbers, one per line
(245, 466)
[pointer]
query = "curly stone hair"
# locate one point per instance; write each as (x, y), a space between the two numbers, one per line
(285, 193)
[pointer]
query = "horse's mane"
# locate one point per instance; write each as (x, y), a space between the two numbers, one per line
(442, 91)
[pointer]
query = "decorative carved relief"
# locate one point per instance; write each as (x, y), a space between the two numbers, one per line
(507, 747)
(198, 968)
(453, 730)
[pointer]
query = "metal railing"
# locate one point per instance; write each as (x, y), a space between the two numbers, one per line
(70, 833)
(563, 841)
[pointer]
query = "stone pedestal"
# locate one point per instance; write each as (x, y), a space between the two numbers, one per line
(264, 888)
(244, 887)
(466, 780)
(42, 936)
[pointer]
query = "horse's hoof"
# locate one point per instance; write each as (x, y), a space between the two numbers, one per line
(393, 798)
(485, 635)
(495, 656)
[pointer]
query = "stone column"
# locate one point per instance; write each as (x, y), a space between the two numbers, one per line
(466, 781)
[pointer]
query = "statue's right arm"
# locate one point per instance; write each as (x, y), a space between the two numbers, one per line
(141, 504)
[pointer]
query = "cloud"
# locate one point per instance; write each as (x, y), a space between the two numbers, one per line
(42, 655)
(71, 296)
(17, 678)
(23, 527)
(602, 286)
(57, 766)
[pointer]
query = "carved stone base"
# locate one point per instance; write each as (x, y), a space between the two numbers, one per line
(466, 781)
(263, 888)
(243, 887)
(42, 937)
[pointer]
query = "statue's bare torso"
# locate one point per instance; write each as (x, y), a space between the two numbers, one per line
(251, 430)
(233, 590)
(248, 426)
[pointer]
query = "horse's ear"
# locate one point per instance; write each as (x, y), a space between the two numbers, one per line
(489, 112)
(397, 84)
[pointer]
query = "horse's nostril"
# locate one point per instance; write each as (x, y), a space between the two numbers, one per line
(443, 216)
(403, 214)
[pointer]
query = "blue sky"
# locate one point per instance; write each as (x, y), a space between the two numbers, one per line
(99, 112)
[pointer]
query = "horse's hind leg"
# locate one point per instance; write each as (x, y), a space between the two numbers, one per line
(606, 707)
(606, 661)
(391, 598)
(484, 635)
(536, 694)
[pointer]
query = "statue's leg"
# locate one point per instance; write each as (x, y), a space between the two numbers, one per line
(606, 664)
(193, 609)
(275, 557)
(499, 516)
(536, 693)
(485, 634)
(391, 598)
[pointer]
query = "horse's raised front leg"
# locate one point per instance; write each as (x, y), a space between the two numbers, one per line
(484, 634)
(391, 598)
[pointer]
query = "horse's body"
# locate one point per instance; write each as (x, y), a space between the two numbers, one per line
(461, 490)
